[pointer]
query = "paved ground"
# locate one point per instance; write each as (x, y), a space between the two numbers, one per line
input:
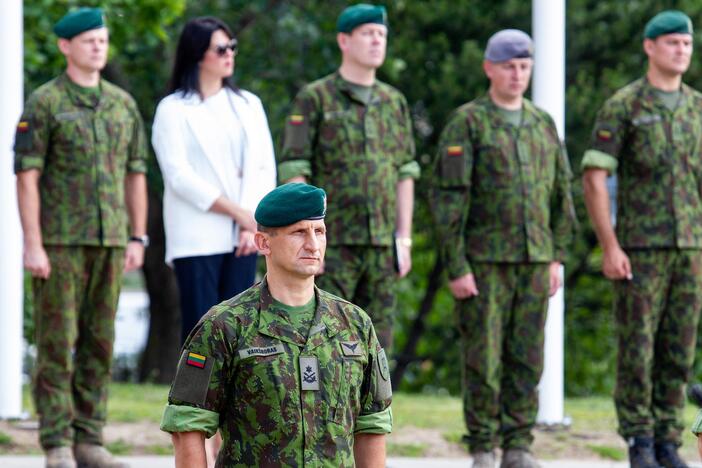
(167, 462)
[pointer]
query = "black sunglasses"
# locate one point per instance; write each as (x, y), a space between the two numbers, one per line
(221, 49)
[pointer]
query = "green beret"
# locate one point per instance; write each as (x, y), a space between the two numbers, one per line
(79, 21)
(290, 203)
(359, 14)
(668, 22)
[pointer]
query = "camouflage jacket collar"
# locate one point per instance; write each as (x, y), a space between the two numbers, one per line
(344, 87)
(83, 99)
(529, 112)
(649, 100)
(327, 322)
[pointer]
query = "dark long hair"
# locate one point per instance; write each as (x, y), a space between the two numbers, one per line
(193, 43)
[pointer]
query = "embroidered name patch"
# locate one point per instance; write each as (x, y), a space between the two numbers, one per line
(351, 348)
(196, 360)
(263, 351)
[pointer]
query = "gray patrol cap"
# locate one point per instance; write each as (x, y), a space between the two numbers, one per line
(508, 44)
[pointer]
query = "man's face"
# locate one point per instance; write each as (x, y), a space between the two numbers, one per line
(509, 79)
(87, 51)
(297, 249)
(670, 53)
(365, 45)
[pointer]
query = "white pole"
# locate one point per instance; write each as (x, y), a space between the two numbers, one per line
(11, 342)
(548, 91)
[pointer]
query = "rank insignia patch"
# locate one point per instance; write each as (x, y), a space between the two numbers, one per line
(454, 150)
(351, 348)
(196, 360)
(297, 119)
(23, 127)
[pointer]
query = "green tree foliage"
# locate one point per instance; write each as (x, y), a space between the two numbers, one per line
(434, 56)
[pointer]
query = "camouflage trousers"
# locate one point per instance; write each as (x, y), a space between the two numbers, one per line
(365, 276)
(656, 322)
(74, 315)
(502, 338)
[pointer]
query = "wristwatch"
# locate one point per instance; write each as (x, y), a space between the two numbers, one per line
(144, 240)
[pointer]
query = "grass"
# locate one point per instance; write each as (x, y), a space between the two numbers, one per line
(606, 451)
(592, 415)
(5, 440)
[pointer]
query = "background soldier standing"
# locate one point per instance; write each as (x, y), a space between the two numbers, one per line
(80, 157)
(352, 135)
(290, 374)
(504, 216)
(649, 133)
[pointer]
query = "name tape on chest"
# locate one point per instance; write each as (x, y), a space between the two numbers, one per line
(351, 348)
(261, 351)
(309, 373)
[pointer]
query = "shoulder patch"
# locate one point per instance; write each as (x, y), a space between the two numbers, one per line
(192, 378)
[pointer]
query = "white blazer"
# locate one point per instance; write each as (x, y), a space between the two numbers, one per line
(194, 178)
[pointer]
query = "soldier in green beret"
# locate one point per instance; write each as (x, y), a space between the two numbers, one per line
(504, 215)
(650, 133)
(80, 159)
(352, 134)
(290, 374)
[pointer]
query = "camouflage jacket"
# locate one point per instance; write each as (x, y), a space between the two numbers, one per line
(244, 369)
(656, 153)
(501, 193)
(356, 152)
(83, 149)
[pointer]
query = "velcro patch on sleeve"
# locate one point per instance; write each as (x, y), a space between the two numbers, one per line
(383, 387)
(192, 378)
(23, 136)
(296, 132)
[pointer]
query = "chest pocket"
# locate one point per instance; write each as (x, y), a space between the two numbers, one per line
(336, 130)
(649, 141)
(73, 136)
(263, 379)
(494, 167)
(348, 393)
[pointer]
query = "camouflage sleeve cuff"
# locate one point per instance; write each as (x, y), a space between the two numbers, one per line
(138, 165)
(411, 169)
(596, 159)
(181, 418)
(375, 423)
(289, 169)
(697, 425)
(27, 162)
(458, 266)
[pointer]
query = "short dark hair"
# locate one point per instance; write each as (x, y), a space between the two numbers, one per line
(268, 230)
(193, 43)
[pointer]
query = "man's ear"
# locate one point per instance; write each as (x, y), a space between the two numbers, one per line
(342, 40)
(262, 241)
(63, 45)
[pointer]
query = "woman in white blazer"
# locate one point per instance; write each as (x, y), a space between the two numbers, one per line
(215, 151)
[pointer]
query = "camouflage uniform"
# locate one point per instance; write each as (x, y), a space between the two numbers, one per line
(656, 153)
(84, 144)
(504, 210)
(357, 152)
(242, 371)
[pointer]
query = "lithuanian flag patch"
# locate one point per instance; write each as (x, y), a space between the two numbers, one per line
(454, 150)
(604, 135)
(23, 127)
(297, 119)
(196, 360)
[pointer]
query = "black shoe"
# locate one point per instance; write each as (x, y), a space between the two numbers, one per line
(641, 453)
(667, 455)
